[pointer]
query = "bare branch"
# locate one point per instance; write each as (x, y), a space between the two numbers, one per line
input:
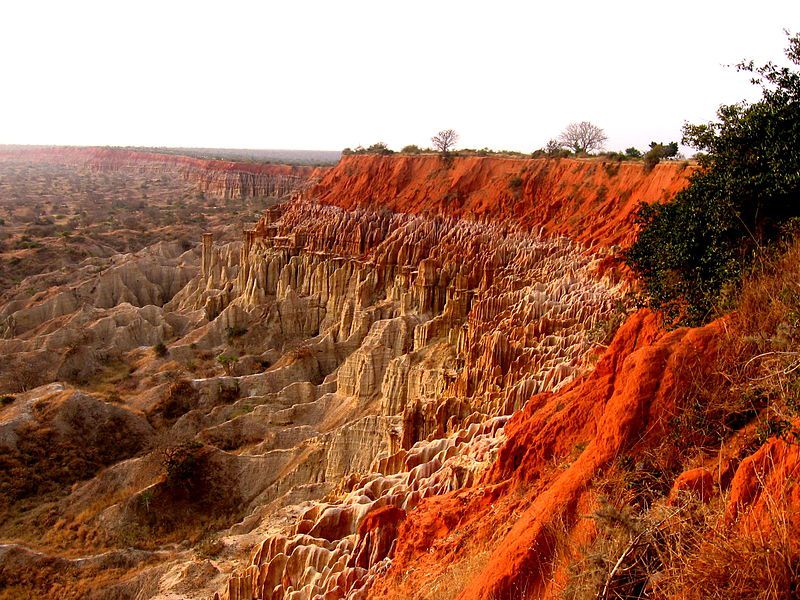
(582, 137)
(445, 140)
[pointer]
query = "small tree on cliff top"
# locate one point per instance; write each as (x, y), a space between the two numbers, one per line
(582, 137)
(445, 140)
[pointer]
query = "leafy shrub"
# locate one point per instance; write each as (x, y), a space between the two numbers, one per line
(554, 149)
(633, 152)
(615, 156)
(411, 149)
(693, 247)
(515, 183)
(182, 464)
(659, 152)
(376, 148)
(379, 148)
(235, 331)
(228, 362)
(160, 350)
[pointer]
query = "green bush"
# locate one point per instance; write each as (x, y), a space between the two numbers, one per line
(411, 149)
(182, 465)
(160, 350)
(379, 148)
(515, 183)
(235, 331)
(228, 362)
(614, 156)
(692, 248)
(658, 152)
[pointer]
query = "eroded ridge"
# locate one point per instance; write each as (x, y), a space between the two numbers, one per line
(424, 334)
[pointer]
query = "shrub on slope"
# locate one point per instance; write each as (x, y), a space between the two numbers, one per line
(690, 248)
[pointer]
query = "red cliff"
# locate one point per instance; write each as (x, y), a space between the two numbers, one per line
(590, 200)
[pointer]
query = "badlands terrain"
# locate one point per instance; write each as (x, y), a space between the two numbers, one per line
(397, 377)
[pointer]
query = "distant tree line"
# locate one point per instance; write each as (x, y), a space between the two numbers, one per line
(579, 139)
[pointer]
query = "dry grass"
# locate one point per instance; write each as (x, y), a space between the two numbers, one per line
(647, 547)
(455, 579)
(685, 551)
(717, 561)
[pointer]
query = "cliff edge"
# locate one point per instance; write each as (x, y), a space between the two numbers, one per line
(589, 200)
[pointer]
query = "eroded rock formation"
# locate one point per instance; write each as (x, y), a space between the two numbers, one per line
(407, 350)
(66, 331)
(430, 331)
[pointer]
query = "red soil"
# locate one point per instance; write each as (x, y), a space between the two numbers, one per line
(525, 498)
(589, 200)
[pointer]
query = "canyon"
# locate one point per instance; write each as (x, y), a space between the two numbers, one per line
(406, 378)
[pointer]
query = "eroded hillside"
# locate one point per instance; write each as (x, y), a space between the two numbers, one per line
(589, 200)
(401, 382)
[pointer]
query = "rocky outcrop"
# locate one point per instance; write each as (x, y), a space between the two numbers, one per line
(67, 331)
(431, 331)
(521, 502)
(509, 312)
(337, 550)
(403, 343)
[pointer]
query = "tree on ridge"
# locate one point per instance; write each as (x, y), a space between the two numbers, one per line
(582, 137)
(445, 140)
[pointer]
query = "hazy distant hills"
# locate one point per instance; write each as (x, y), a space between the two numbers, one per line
(290, 157)
(286, 157)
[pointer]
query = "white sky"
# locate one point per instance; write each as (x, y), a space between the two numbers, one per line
(325, 75)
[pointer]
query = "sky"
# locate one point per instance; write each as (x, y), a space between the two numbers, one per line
(326, 75)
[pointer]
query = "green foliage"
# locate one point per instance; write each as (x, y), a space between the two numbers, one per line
(553, 148)
(379, 148)
(411, 149)
(614, 157)
(235, 332)
(659, 151)
(182, 464)
(691, 248)
(160, 350)
(228, 361)
(376, 148)
(633, 152)
(515, 183)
